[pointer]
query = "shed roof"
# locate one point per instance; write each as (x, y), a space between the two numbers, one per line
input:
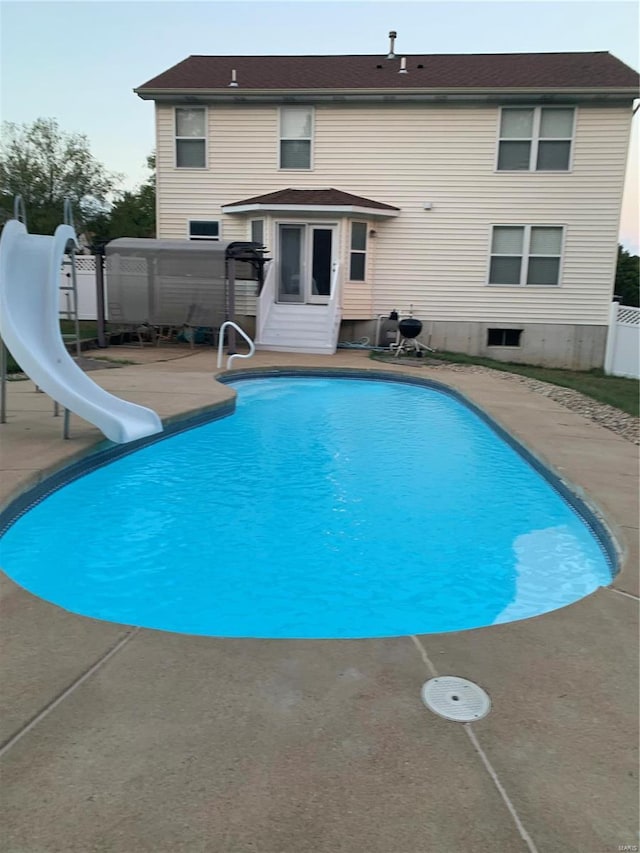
(144, 246)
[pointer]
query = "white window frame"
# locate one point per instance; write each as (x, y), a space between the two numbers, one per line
(264, 228)
(535, 139)
(353, 251)
(526, 243)
(198, 236)
(504, 329)
(282, 138)
(192, 138)
(307, 245)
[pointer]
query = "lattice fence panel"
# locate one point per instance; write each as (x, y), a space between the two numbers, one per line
(629, 315)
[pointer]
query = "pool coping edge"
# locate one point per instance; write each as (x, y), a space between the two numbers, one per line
(99, 454)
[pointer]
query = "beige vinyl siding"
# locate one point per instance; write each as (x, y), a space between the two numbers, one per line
(436, 260)
(357, 296)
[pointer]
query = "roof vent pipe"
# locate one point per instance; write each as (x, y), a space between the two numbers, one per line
(392, 35)
(403, 66)
(234, 82)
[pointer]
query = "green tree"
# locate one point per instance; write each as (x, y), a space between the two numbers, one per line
(627, 285)
(133, 213)
(46, 165)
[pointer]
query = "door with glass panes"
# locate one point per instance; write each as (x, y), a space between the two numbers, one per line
(306, 262)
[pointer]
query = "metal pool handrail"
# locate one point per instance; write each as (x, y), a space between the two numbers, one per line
(252, 347)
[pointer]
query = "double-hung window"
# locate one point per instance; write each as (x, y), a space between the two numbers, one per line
(526, 255)
(296, 134)
(535, 139)
(191, 137)
(358, 255)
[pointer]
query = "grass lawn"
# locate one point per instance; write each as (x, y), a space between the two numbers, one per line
(88, 331)
(614, 390)
(88, 328)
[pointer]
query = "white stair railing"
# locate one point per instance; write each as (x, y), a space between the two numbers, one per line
(265, 300)
(334, 306)
(252, 349)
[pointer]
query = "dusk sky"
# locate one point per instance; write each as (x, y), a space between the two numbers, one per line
(79, 61)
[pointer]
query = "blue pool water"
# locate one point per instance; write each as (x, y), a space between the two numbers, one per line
(321, 508)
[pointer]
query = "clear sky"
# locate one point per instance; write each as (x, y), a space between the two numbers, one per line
(79, 61)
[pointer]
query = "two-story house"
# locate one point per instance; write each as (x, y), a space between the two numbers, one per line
(482, 190)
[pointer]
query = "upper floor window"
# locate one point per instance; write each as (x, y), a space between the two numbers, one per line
(526, 254)
(204, 230)
(191, 137)
(535, 139)
(296, 133)
(358, 256)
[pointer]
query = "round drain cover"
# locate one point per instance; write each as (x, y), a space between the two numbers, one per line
(455, 699)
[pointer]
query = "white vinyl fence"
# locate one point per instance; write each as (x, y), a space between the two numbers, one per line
(86, 284)
(622, 357)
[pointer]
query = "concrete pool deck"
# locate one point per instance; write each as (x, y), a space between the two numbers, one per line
(121, 739)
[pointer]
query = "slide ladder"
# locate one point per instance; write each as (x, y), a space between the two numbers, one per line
(69, 291)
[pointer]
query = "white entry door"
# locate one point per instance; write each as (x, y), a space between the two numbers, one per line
(306, 261)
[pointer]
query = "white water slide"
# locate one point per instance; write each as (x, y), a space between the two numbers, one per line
(30, 328)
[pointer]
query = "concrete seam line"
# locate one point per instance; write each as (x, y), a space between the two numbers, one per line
(505, 797)
(487, 764)
(622, 592)
(66, 692)
(425, 657)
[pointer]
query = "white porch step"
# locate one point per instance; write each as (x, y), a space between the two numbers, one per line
(297, 328)
(302, 348)
(306, 313)
(293, 337)
(297, 324)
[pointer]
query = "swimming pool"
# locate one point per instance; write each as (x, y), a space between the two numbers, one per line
(322, 508)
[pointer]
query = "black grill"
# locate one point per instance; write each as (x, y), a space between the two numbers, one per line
(410, 327)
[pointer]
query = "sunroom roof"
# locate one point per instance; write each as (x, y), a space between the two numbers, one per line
(328, 200)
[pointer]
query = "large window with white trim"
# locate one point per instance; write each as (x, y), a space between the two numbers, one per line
(526, 255)
(535, 139)
(191, 137)
(296, 134)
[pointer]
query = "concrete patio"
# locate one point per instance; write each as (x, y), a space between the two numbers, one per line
(128, 740)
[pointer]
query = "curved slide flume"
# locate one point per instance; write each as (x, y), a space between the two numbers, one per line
(30, 327)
